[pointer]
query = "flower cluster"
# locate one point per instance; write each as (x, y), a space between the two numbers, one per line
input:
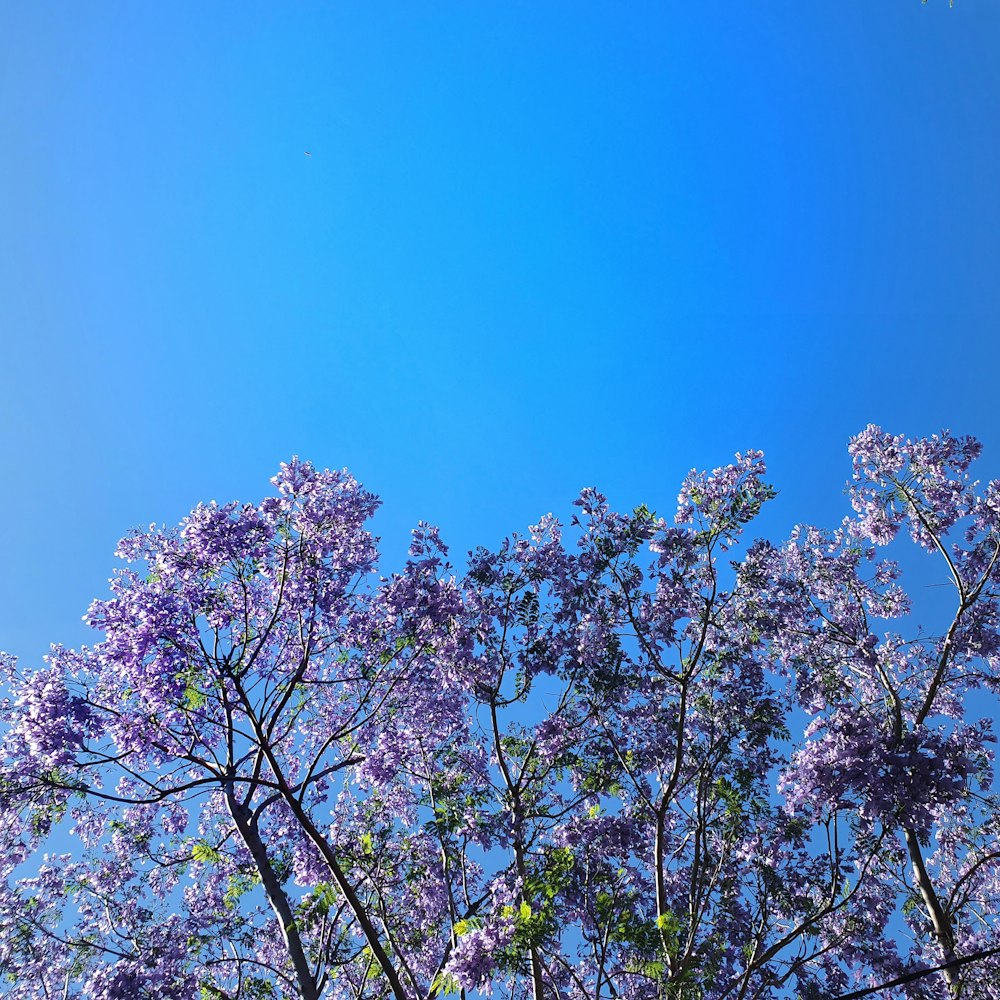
(850, 762)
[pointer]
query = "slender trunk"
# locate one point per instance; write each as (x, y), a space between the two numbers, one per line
(368, 928)
(939, 919)
(537, 983)
(659, 865)
(276, 896)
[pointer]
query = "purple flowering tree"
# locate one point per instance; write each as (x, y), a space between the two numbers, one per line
(633, 762)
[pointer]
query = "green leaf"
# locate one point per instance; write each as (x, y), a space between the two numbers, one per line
(205, 853)
(470, 924)
(444, 983)
(194, 698)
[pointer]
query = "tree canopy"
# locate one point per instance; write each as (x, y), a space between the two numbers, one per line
(628, 757)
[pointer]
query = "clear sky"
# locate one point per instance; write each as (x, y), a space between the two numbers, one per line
(536, 246)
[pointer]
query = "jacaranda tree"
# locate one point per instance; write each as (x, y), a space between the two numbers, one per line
(638, 762)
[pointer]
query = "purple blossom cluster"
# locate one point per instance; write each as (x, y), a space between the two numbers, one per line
(50, 719)
(850, 762)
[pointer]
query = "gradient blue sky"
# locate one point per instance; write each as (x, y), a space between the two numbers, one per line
(537, 246)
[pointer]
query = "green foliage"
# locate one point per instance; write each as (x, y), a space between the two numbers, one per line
(535, 918)
(237, 887)
(527, 609)
(252, 988)
(194, 696)
(625, 924)
(463, 927)
(205, 853)
(444, 984)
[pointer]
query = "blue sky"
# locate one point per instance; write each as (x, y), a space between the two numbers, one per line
(537, 246)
